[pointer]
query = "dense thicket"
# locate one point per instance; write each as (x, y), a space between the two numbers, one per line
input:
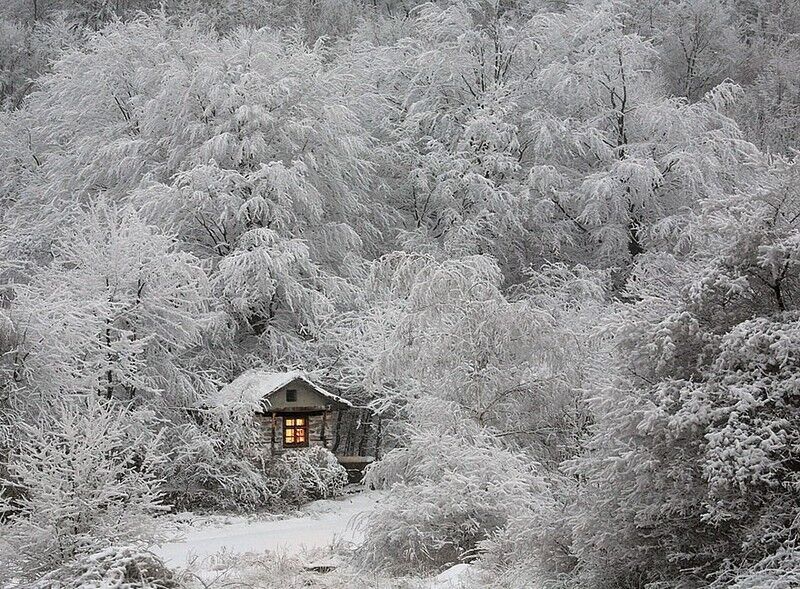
(555, 245)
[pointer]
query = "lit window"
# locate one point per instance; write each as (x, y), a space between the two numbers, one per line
(295, 431)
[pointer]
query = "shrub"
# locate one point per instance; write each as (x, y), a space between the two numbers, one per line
(221, 462)
(534, 543)
(308, 474)
(216, 462)
(112, 568)
(86, 475)
(451, 489)
(780, 570)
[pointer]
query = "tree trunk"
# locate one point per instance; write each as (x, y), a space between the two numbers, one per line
(337, 433)
(272, 438)
(634, 244)
(378, 438)
(365, 424)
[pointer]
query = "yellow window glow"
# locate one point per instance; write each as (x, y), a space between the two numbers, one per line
(295, 431)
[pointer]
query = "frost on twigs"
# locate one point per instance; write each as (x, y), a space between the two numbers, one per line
(279, 570)
(217, 461)
(531, 240)
(114, 567)
(86, 477)
(450, 490)
(308, 474)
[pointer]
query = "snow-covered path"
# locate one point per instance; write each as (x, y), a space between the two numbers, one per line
(322, 524)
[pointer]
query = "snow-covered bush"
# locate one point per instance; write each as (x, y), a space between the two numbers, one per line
(216, 462)
(287, 570)
(86, 472)
(451, 488)
(26, 50)
(534, 544)
(513, 361)
(308, 474)
(780, 570)
(98, 318)
(691, 471)
(111, 568)
(222, 461)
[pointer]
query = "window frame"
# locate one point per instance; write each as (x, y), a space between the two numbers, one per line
(291, 393)
(294, 427)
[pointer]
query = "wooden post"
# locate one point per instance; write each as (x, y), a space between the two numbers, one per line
(272, 439)
(322, 433)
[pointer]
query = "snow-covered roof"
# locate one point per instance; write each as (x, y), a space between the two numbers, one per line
(255, 385)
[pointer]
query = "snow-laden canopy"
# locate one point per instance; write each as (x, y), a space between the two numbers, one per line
(255, 386)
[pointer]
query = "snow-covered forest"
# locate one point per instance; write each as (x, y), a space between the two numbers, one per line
(549, 248)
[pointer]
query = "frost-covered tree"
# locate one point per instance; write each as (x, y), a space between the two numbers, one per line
(90, 13)
(86, 475)
(615, 161)
(115, 312)
(447, 112)
(769, 109)
(699, 42)
(275, 184)
(690, 473)
(537, 134)
(445, 330)
(247, 149)
(26, 51)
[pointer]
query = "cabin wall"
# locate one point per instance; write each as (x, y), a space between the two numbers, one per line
(306, 397)
(315, 438)
(351, 432)
(264, 424)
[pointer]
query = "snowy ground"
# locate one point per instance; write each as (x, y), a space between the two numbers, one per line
(321, 524)
(309, 549)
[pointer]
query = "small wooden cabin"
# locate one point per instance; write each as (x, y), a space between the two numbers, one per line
(294, 411)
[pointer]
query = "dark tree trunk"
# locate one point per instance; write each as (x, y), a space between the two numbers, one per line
(366, 425)
(378, 438)
(634, 244)
(337, 432)
(272, 437)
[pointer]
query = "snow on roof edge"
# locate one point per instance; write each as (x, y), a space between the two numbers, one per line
(255, 385)
(323, 392)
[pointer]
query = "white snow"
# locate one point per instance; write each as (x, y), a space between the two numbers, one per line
(321, 524)
(451, 578)
(254, 385)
